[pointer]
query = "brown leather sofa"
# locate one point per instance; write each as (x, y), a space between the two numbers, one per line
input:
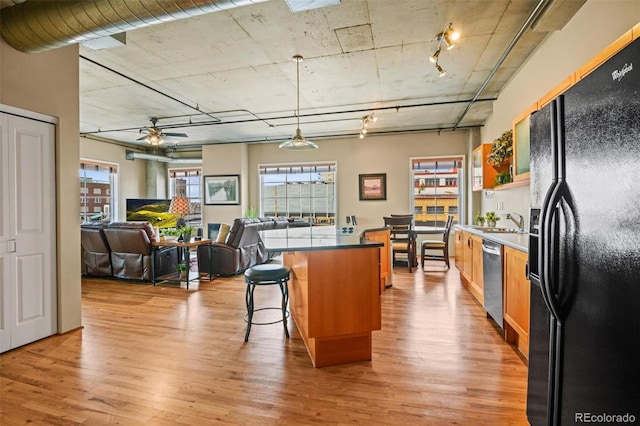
(129, 251)
(242, 249)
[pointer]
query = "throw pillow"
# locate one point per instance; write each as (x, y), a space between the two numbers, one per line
(223, 233)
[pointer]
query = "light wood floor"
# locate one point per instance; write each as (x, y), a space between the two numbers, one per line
(164, 356)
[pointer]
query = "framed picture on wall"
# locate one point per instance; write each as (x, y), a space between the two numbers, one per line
(222, 189)
(373, 186)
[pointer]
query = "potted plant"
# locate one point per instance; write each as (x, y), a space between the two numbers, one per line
(186, 232)
(479, 219)
(501, 149)
(182, 268)
(251, 213)
(492, 218)
(169, 234)
(502, 178)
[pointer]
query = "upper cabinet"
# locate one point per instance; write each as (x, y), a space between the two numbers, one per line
(484, 176)
(521, 144)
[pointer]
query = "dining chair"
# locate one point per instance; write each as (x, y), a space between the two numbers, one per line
(402, 239)
(440, 246)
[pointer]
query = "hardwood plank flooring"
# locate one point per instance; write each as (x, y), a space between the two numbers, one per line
(166, 355)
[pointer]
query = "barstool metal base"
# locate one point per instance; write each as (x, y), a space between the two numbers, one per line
(267, 274)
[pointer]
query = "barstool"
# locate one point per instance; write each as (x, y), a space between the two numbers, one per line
(267, 274)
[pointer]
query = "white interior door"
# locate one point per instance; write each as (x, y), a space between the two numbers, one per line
(28, 238)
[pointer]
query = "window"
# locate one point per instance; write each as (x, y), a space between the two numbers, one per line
(188, 182)
(436, 192)
(299, 191)
(97, 178)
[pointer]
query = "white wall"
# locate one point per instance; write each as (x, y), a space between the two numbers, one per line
(594, 27)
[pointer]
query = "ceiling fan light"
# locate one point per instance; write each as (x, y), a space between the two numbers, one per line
(154, 139)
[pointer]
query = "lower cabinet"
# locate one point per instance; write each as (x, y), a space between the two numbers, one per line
(469, 262)
(458, 249)
(517, 299)
(515, 288)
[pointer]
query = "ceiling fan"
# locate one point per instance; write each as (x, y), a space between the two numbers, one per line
(154, 136)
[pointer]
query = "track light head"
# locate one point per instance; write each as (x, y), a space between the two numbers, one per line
(434, 58)
(440, 70)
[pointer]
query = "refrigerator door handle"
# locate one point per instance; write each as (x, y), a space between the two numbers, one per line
(560, 214)
(546, 244)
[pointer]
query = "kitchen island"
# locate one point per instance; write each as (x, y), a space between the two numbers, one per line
(334, 290)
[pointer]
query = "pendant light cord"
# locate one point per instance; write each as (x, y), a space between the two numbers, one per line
(298, 59)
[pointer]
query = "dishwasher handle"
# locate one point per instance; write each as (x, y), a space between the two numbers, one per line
(491, 248)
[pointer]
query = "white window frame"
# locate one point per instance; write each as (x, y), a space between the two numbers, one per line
(109, 211)
(440, 191)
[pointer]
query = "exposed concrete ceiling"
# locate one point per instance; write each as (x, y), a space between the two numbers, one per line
(360, 56)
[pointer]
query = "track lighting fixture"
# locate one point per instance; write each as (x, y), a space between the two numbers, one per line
(434, 57)
(448, 37)
(365, 123)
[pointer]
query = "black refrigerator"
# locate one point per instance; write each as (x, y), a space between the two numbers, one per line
(584, 250)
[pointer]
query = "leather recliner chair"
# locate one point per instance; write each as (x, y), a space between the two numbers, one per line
(242, 249)
(96, 254)
(130, 244)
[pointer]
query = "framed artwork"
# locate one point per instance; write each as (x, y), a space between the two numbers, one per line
(222, 189)
(373, 186)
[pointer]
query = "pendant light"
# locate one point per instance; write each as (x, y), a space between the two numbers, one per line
(298, 142)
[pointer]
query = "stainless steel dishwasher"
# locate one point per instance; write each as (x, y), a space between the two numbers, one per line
(492, 275)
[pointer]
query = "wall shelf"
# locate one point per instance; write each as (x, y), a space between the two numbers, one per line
(524, 182)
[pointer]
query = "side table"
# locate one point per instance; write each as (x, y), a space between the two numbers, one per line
(185, 247)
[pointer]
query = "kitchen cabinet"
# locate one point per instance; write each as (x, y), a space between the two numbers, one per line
(477, 279)
(484, 175)
(521, 142)
(458, 249)
(469, 261)
(516, 299)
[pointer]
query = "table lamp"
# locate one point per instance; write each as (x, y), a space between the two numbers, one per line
(181, 206)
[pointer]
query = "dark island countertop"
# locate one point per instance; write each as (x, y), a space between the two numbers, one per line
(315, 238)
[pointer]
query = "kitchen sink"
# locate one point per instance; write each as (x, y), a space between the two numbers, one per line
(502, 230)
(498, 230)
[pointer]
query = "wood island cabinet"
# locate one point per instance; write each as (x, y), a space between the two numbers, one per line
(516, 298)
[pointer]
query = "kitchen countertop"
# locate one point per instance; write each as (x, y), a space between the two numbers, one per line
(315, 238)
(516, 241)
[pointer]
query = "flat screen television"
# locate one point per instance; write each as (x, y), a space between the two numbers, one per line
(155, 212)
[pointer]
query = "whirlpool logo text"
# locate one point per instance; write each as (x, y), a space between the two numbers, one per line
(619, 74)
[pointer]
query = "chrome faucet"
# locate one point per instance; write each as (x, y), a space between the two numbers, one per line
(519, 221)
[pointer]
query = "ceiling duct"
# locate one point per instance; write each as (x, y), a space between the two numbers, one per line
(132, 155)
(38, 26)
